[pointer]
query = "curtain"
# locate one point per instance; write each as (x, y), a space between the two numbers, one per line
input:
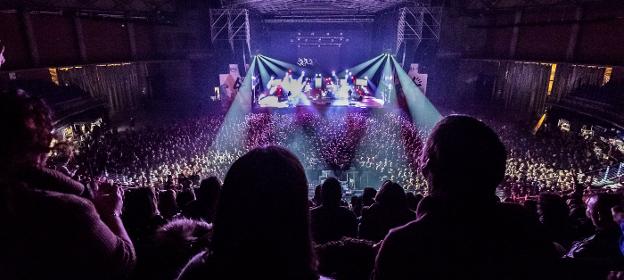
(522, 88)
(120, 85)
(569, 78)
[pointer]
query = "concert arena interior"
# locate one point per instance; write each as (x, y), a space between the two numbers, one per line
(312, 139)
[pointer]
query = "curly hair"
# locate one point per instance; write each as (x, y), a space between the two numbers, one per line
(27, 124)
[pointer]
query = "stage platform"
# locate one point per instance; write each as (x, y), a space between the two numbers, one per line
(365, 102)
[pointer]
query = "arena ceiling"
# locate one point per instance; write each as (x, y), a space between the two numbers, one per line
(101, 5)
(310, 7)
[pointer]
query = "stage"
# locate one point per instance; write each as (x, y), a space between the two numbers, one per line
(364, 102)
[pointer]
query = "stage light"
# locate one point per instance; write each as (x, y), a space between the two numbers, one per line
(333, 72)
(422, 111)
(366, 77)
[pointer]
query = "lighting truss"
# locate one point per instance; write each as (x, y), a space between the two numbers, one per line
(319, 39)
(291, 7)
(417, 24)
(230, 25)
(320, 19)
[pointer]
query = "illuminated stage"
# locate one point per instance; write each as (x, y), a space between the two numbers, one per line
(278, 84)
(268, 101)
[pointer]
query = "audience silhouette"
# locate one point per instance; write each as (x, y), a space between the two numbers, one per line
(56, 228)
(462, 232)
(330, 221)
(261, 228)
(389, 211)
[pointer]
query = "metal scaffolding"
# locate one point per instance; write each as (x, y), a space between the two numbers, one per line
(316, 7)
(231, 25)
(417, 24)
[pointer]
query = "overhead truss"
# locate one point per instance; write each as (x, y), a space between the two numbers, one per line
(297, 7)
(231, 25)
(416, 24)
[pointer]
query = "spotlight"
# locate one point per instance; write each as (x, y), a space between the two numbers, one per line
(366, 77)
(334, 73)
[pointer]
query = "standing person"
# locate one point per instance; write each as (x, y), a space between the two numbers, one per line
(204, 207)
(57, 229)
(389, 211)
(462, 232)
(261, 230)
(331, 221)
(604, 243)
(368, 196)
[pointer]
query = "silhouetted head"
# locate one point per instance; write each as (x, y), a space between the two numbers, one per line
(356, 205)
(391, 195)
(209, 190)
(262, 217)
(463, 157)
(139, 204)
(185, 196)
(368, 196)
(317, 195)
(599, 209)
(181, 239)
(331, 192)
(172, 246)
(27, 126)
(347, 259)
(551, 208)
(167, 203)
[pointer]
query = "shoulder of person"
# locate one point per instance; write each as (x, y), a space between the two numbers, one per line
(52, 180)
(65, 203)
(409, 231)
(197, 268)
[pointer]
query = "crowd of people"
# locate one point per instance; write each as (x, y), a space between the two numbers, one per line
(230, 211)
(207, 146)
(379, 145)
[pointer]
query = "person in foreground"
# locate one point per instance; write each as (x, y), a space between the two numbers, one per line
(56, 228)
(461, 232)
(330, 221)
(261, 229)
